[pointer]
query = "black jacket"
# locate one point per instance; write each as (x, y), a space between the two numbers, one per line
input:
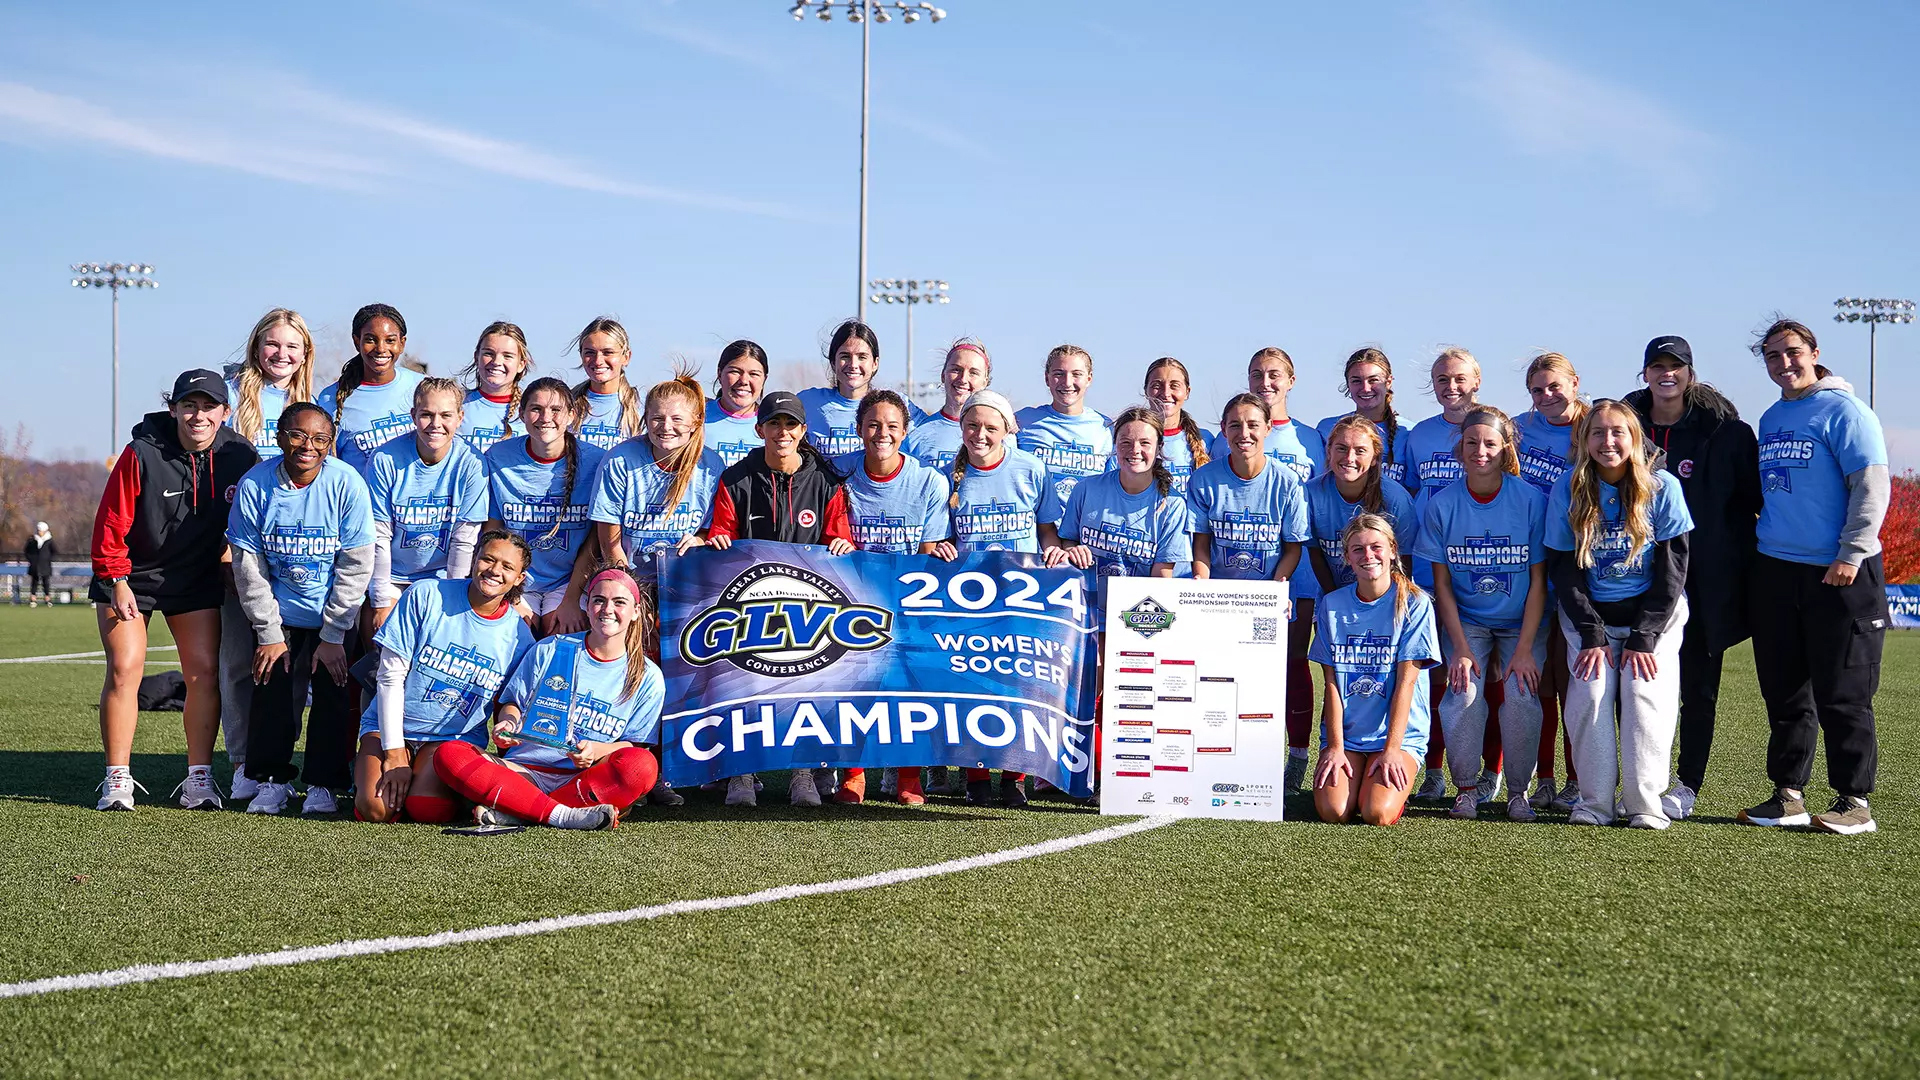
(807, 507)
(1717, 460)
(162, 522)
(40, 555)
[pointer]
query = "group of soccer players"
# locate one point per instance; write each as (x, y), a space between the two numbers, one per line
(466, 567)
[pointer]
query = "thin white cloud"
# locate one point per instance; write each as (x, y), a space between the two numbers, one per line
(1553, 110)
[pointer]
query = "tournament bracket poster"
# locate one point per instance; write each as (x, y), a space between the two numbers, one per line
(1194, 691)
(781, 657)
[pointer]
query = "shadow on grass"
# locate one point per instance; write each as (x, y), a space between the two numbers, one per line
(73, 776)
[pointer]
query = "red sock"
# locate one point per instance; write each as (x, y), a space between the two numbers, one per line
(1299, 702)
(620, 779)
(468, 770)
(1436, 739)
(1490, 745)
(981, 774)
(430, 809)
(1549, 725)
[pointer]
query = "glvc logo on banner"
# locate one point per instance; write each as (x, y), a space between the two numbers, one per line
(783, 621)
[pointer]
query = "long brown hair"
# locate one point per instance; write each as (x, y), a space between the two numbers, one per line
(632, 422)
(1370, 355)
(1196, 444)
(1371, 500)
(551, 385)
(1636, 488)
(1143, 414)
(250, 379)
(505, 329)
(639, 634)
(682, 462)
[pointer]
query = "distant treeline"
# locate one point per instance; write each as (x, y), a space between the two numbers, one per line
(64, 494)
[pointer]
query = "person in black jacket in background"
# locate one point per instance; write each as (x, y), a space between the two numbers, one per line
(1717, 460)
(40, 552)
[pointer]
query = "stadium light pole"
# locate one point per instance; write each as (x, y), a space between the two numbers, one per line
(866, 13)
(114, 276)
(909, 292)
(1873, 313)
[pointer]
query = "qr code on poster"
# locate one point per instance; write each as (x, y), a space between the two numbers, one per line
(1266, 630)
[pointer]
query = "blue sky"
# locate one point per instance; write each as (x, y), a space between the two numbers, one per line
(1143, 179)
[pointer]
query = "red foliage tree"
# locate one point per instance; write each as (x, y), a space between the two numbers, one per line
(1900, 533)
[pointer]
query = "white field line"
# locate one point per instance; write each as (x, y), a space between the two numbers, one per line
(141, 973)
(77, 656)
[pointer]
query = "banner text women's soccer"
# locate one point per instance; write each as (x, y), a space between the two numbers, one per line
(782, 657)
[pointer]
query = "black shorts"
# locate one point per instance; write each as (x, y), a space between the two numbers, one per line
(171, 604)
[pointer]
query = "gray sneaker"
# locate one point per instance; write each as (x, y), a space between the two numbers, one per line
(1787, 807)
(1568, 798)
(740, 791)
(1466, 805)
(1543, 793)
(1434, 788)
(1848, 816)
(1296, 780)
(1490, 784)
(801, 789)
(1519, 809)
(1678, 801)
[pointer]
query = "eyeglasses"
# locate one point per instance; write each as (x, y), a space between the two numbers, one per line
(301, 438)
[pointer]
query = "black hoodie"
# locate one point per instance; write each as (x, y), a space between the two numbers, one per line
(162, 522)
(1717, 460)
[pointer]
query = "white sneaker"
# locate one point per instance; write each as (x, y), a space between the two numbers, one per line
(1648, 821)
(271, 800)
(116, 793)
(1543, 793)
(740, 791)
(319, 801)
(198, 793)
(242, 788)
(1678, 801)
(589, 818)
(1435, 787)
(801, 789)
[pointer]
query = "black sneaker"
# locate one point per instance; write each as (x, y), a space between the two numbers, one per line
(1012, 793)
(1787, 807)
(977, 792)
(664, 795)
(1849, 816)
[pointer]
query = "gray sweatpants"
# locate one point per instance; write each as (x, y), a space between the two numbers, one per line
(1463, 717)
(1648, 710)
(236, 677)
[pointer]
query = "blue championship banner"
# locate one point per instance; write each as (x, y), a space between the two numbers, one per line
(1903, 603)
(782, 657)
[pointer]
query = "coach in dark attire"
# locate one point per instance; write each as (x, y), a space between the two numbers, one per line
(1716, 458)
(40, 552)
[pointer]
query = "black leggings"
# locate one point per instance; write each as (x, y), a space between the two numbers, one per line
(273, 723)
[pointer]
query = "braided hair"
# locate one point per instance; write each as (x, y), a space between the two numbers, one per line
(355, 371)
(504, 329)
(1142, 414)
(551, 385)
(1196, 444)
(1370, 355)
(631, 417)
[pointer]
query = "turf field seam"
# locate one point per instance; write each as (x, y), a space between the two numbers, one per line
(339, 950)
(73, 656)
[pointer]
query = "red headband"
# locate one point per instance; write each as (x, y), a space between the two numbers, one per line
(616, 574)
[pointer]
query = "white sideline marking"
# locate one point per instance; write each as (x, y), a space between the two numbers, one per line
(74, 655)
(141, 973)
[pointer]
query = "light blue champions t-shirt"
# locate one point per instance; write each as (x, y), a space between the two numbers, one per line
(934, 442)
(1071, 447)
(273, 402)
(1002, 508)
(1179, 456)
(632, 491)
(1546, 449)
(898, 514)
(373, 416)
(1613, 576)
(528, 496)
(298, 530)
(1246, 521)
(1808, 448)
(1328, 514)
(1362, 642)
(483, 421)
(424, 502)
(1489, 548)
(1128, 533)
(456, 662)
(597, 711)
(1430, 452)
(732, 437)
(1394, 456)
(1290, 443)
(601, 425)
(833, 421)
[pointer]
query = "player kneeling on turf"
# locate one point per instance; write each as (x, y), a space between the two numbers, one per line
(1373, 639)
(444, 653)
(572, 722)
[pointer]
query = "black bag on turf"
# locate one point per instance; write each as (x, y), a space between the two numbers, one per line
(163, 692)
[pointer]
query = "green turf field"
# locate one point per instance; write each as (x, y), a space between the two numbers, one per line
(1436, 947)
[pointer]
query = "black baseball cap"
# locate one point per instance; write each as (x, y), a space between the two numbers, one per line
(780, 403)
(201, 381)
(1669, 345)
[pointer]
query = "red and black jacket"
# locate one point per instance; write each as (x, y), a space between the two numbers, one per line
(162, 522)
(807, 506)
